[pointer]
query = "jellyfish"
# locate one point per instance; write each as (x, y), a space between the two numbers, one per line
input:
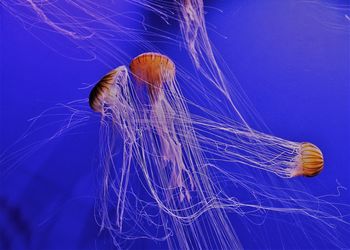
(193, 27)
(233, 143)
(154, 70)
(111, 97)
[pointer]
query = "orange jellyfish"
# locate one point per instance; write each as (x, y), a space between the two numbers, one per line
(111, 97)
(156, 70)
(236, 144)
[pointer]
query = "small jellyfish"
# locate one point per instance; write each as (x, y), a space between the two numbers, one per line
(112, 98)
(236, 144)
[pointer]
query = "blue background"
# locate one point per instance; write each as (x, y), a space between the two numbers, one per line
(292, 60)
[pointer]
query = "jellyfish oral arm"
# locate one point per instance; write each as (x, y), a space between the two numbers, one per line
(163, 118)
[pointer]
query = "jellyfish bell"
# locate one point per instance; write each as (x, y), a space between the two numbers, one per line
(309, 162)
(106, 89)
(153, 69)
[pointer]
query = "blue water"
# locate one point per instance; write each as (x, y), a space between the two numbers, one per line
(291, 59)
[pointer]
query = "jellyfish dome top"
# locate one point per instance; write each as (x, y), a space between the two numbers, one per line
(153, 68)
(105, 92)
(309, 162)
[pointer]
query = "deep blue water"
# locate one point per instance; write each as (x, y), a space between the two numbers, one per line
(291, 59)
